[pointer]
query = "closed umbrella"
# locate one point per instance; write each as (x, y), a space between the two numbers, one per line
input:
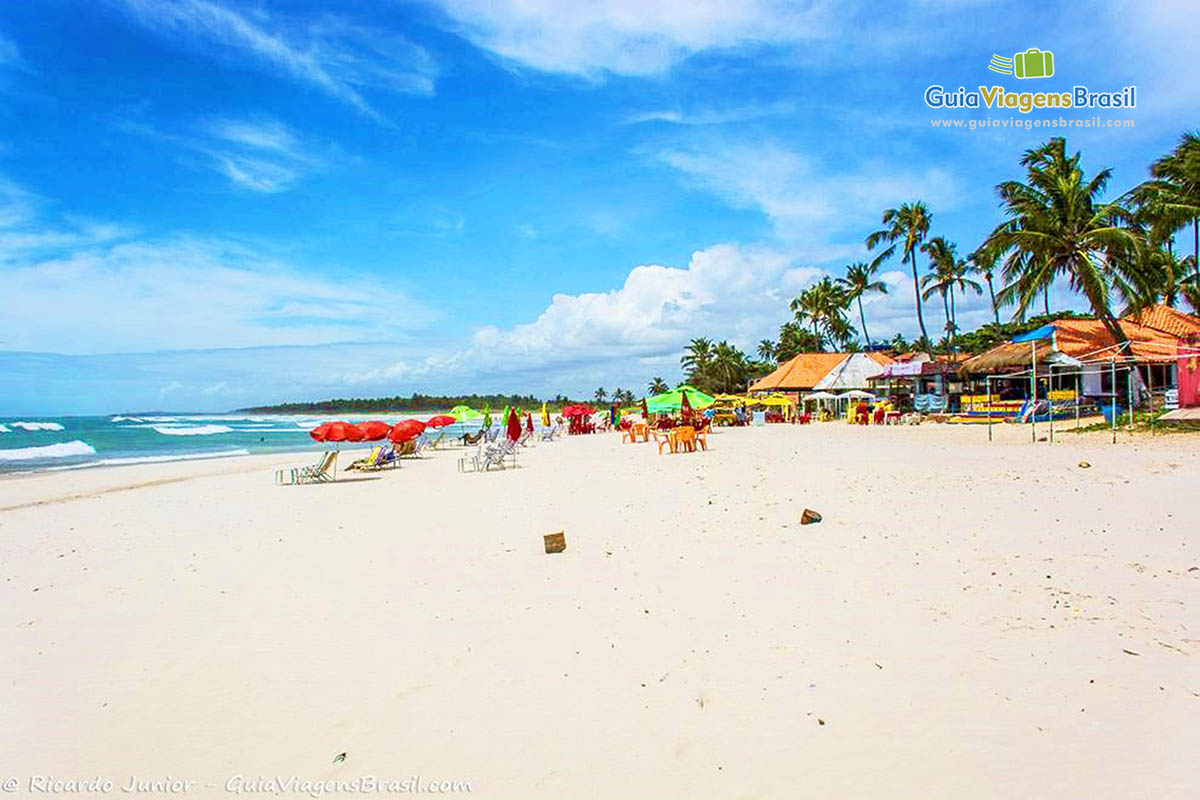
(529, 423)
(545, 415)
(513, 431)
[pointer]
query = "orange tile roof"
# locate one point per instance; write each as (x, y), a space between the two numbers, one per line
(1089, 340)
(806, 370)
(1167, 320)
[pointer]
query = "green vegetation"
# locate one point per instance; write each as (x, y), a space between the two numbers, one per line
(416, 402)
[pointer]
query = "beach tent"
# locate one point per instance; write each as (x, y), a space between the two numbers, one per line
(860, 395)
(809, 371)
(853, 372)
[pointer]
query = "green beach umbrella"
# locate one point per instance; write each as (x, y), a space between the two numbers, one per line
(487, 415)
(464, 414)
(672, 401)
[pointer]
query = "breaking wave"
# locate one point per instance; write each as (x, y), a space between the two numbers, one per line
(194, 430)
(37, 426)
(61, 450)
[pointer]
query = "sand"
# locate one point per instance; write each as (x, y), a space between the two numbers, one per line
(969, 620)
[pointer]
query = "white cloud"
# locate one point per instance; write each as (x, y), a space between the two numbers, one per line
(712, 116)
(337, 57)
(626, 37)
(185, 293)
(260, 155)
(83, 287)
(807, 206)
(728, 291)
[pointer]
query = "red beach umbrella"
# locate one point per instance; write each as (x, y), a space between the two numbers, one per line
(441, 421)
(513, 431)
(405, 431)
(529, 423)
(685, 407)
(337, 432)
(374, 430)
(645, 411)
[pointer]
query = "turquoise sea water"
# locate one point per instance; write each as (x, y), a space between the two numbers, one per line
(39, 443)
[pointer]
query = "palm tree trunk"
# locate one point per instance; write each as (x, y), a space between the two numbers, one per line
(953, 318)
(992, 292)
(920, 315)
(946, 308)
(863, 319)
(1196, 243)
(1046, 299)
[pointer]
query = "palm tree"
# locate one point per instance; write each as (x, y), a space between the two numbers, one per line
(908, 224)
(983, 261)
(657, 386)
(860, 280)
(1172, 196)
(696, 355)
(794, 339)
(766, 350)
(1058, 225)
(823, 305)
(601, 395)
(941, 279)
(728, 367)
(949, 273)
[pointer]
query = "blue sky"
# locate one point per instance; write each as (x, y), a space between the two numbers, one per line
(207, 204)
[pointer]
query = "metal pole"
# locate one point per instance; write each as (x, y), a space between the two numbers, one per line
(1033, 391)
(1079, 394)
(1050, 400)
(1129, 393)
(989, 401)
(1112, 374)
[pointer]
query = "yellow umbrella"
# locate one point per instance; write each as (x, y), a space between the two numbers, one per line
(545, 416)
(770, 400)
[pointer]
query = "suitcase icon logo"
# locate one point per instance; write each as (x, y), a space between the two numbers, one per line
(1033, 63)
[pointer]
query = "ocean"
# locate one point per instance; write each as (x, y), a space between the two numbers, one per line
(42, 443)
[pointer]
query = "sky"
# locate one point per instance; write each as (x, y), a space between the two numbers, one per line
(207, 204)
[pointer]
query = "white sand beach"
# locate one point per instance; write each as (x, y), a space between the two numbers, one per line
(969, 620)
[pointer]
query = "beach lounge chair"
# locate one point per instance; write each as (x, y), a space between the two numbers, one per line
(433, 442)
(388, 458)
(367, 462)
(497, 454)
(320, 472)
(469, 440)
(526, 439)
(548, 434)
(494, 433)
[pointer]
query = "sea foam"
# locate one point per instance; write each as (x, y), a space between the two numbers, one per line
(60, 450)
(37, 426)
(194, 430)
